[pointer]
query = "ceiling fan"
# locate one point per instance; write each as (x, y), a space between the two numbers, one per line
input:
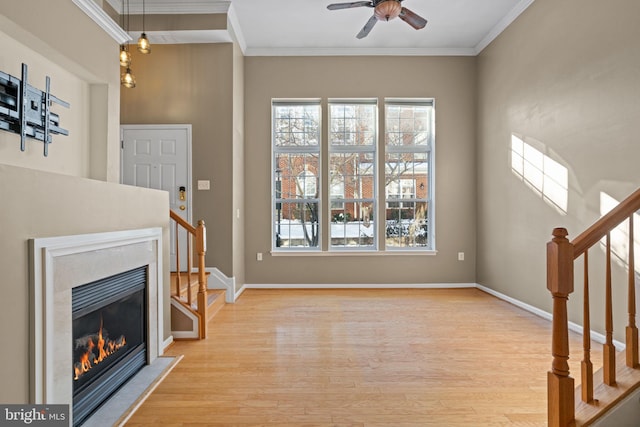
(383, 10)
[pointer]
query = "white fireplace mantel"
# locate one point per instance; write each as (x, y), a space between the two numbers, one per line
(59, 264)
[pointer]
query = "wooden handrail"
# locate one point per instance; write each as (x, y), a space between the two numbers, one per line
(608, 222)
(561, 254)
(200, 235)
(183, 223)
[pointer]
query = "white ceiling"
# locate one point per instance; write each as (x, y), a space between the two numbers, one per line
(307, 27)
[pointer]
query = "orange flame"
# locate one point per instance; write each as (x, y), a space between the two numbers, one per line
(104, 347)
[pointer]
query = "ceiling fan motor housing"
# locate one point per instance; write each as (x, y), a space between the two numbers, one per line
(387, 10)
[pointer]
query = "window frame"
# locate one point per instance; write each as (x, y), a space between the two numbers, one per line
(276, 177)
(379, 203)
(427, 149)
(371, 149)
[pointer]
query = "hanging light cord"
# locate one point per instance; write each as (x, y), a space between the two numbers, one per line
(143, 42)
(127, 16)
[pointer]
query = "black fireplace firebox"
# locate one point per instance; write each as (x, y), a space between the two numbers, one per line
(109, 338)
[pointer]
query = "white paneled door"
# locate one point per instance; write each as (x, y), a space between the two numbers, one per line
(159, 157)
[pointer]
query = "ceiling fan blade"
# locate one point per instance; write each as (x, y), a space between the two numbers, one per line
(412, 19)
(336, 6)
(367, 27)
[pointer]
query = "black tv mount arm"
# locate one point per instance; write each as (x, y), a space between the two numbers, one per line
(26, 110)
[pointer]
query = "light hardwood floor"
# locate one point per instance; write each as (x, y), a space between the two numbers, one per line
(456, 357)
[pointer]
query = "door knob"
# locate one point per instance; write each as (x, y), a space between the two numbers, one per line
(182, 207)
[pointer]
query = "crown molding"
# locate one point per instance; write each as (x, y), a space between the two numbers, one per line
(359, 52)
(502, 25)
(236, 30)
(174, 7)
(104, 21)
(188, 36)
(233, 33)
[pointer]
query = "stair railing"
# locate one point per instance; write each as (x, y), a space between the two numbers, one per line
(561, 254)
(200, 235)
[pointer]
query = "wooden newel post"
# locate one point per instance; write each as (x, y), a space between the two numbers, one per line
(560, 386)
(201, 250)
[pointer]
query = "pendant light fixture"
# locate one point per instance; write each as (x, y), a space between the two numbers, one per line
(125, 55)
(126, 79)
(143, 42)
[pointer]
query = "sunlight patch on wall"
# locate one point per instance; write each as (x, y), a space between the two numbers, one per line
(546, 177)
(620, 235)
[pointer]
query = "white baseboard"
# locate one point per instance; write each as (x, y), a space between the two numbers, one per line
(218, 280)
(240, 291)
(165, 344)
(353, 286)
(595, 336)
(358, 286)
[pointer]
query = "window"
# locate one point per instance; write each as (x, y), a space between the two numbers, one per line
(408, 142)
(363, 209)
(352, 156)
(296, 174)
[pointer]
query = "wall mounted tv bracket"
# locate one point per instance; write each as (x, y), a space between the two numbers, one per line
(26, 110)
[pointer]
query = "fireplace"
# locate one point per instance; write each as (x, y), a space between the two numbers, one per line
(108, 337)
(91, 292)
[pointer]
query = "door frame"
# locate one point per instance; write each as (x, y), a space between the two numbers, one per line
(160, 127)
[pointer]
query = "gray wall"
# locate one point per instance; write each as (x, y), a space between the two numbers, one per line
(451, 81)
(564, 76)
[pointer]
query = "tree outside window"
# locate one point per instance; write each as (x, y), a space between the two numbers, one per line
(352, 155)
(408, 142)
(296, 174)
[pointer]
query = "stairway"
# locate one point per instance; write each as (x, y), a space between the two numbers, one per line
(185, 318)
(189, 313)
(599, 393)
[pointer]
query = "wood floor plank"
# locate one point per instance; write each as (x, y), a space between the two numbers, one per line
(422, 357)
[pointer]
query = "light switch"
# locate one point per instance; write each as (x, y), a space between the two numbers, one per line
(204, 184)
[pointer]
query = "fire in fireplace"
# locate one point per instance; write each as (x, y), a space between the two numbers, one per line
(93, 349)
(109, 338)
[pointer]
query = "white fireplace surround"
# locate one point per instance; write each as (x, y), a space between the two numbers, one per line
(59, 264)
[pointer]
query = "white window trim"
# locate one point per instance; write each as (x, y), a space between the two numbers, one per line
(373, 148)
(324, 208)
(317, 149)
(428, 148)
